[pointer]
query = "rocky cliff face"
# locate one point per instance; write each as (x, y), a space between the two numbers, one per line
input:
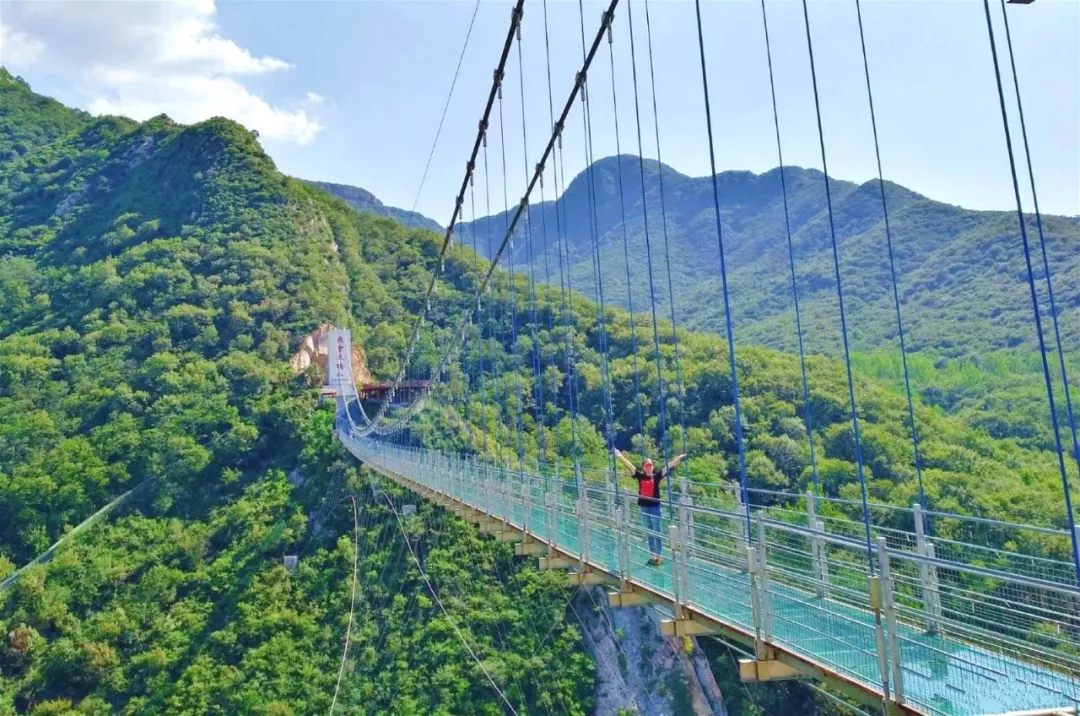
(639, 671)
(315, 350)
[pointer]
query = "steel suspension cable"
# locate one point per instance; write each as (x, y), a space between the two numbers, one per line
(571, 370)
(605, 366)
(548, 149)
(1042, 246)
(724, 281)
(626, 247)
(808, 418)
(498, 340)
(667, 255)
(481, 133)
(840, 299)
(538, 384)
(648, 260)
(518, 426)
(449, 96)
(442, 608)
(892, 273)
(1034, 297)
(480, 385)
(352, 607)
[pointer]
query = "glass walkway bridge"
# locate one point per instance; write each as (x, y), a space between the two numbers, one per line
(942, 626)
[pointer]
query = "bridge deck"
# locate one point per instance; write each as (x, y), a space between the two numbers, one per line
(821, 623)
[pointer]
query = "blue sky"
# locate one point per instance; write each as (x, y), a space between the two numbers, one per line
(352, 91)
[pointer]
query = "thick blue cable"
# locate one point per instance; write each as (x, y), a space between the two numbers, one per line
(495, 370)
(892, 272)
(840, 299)
(605, 367)
(1042, 246)
(538, 381)
(480, 385)
(1034, 299)
(625, 242)
(571, 371)
(807, 416)
(648, 261)
(667, 255)
(518, 425)
(724, 281)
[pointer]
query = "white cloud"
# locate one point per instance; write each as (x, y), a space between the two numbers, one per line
(147, 58)
(17, 48)
(315, 98)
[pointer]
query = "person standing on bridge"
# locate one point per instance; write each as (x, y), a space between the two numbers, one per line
(649, 498)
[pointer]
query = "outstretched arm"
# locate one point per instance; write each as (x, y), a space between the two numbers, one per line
(622, 458)
(674, 462)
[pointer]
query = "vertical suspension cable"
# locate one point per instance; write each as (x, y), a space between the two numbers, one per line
(1042, 246)
(892, 273)
(667, 255)
(724, 281)
(538, 386)
(648, 258)
(808, 419)
(471, 387)
(560, 238)
(605, 367)
(518, 427)
(625, 241)
(481, 387)
(840, 299)
(494, 358)
(1034, 298)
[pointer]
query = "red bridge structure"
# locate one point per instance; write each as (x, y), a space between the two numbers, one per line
(378, 391)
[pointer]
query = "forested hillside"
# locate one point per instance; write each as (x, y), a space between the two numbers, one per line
(155, 280)
(963, 285)
(365, 201)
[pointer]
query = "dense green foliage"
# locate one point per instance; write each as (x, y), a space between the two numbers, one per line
(962, 275)
(154, 280)
(365, 201)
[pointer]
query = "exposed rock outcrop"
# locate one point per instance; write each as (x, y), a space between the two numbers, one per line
(640, 671)
(315, 350)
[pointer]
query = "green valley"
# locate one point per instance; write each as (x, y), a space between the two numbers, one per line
(156, 279)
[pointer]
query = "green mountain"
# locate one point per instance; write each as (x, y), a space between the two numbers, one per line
(962, 279)
(363, 200)
(156, 279)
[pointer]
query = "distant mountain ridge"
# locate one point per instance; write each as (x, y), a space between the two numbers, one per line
(963, 284)
(364, 200)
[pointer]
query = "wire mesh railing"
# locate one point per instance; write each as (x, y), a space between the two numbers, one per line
(936, 625)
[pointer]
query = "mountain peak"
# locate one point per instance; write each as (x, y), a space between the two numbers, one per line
(364, 200)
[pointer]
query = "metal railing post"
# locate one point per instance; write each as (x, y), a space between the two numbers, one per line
(582, 510)
(685, 546)
(933, 592)
(687, 503)
(927, 573)
(755, 601)
(609, 494)
(889, 606)
(763, 579)
(620, 544)
(676, 582)
(626, 534)
(549, 504)
(526, 502)
(741, 544)
(879, 634)
(817, 545)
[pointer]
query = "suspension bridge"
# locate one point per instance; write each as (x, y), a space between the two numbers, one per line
(876, 601)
